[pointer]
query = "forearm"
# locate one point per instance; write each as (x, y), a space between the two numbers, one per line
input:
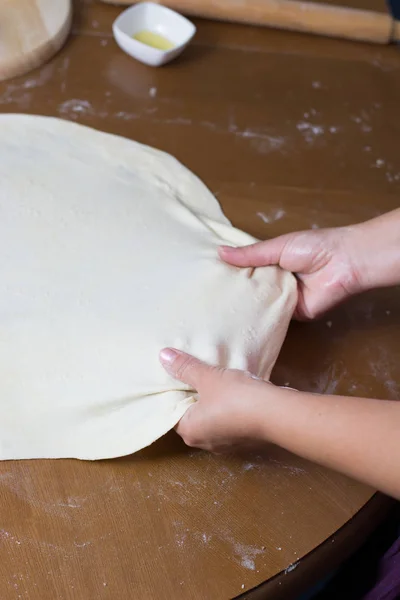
(356, 436)
(376, 250)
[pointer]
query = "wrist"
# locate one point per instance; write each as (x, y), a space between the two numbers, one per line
(374, 248)
(356, 248)
(269, 411)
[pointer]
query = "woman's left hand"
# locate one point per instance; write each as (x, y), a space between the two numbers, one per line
(227, 412)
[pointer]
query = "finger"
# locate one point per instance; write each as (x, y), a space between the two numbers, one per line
(183, 426)
(191, 428)
(261, 254)
(184, 367)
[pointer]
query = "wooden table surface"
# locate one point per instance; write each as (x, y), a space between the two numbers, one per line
(289, 132)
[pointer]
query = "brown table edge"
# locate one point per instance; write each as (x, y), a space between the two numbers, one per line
(326, 557)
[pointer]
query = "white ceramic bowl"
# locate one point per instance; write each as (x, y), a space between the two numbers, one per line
(157, 19)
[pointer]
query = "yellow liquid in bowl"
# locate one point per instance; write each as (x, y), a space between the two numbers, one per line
(155, 40)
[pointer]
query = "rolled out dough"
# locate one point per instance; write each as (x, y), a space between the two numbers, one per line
(108, 253)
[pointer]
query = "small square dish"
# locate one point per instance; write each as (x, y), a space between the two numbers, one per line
(151, 33)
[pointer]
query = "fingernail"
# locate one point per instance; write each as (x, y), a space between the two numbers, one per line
(168, 355)
(226, 249)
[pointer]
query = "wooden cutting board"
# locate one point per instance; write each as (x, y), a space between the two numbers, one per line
(31, 32)
(363, 20)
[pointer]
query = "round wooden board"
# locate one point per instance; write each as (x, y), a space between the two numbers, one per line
(287, 131)
(31, 32)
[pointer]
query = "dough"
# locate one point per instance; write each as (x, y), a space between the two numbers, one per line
(108, 253)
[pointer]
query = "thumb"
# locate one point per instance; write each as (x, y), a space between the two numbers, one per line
(260, 254)
(184, 367)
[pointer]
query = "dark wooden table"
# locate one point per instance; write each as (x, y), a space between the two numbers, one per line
(289, 132)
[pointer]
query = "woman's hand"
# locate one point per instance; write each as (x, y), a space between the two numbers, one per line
(330, 264)
(229, 405)
(323, 261)
(356, 436)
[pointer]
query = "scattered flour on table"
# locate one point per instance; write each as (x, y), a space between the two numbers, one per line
(246, 555)
(263, 140)
(310, 131)
(362, 119)
(21, 93)
(392, 177)
(382, 369)
(82, 544)
(6, 535)
(275, 216)
(125, 116)
(74, 107)
(290, 468)
(206, 538)
(391, 174)
(73, 502)
(250, 466)
(180, 539)
(275, 142)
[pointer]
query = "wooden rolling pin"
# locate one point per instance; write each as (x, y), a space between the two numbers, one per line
(310, 17)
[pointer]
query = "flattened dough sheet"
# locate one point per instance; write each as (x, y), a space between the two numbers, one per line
(108, 253)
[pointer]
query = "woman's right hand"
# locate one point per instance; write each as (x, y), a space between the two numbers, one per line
(330, 264)
(324, 262)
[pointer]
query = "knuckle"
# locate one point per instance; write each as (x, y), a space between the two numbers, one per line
(187, 364)
(250, 375)
(188, 438)
(189, 441)
(232, 375)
